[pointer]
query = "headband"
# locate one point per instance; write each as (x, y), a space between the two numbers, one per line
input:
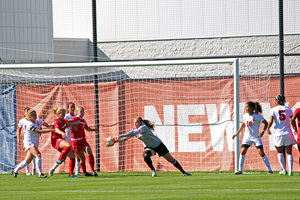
(278, 99)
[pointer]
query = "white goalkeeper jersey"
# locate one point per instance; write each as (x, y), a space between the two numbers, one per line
(146, 136)
(252, 123)
(282, 116)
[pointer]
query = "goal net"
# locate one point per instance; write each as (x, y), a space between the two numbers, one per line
(192, 103)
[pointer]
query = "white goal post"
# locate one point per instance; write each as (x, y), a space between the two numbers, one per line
(40, 69)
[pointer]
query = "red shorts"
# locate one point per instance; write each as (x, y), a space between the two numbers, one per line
(77, 145)
(55, 143)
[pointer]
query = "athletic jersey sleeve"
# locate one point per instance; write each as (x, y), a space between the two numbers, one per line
(260, 118)
(134, 132)
(21, 122)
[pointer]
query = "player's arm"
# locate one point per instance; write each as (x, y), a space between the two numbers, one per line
(19, 134)
(265, 128)
(58, 131)
(240, 130)
(72, 123)
(39, 131)
(47, 125)
(91, 129)
(293, 123)
(270, 124)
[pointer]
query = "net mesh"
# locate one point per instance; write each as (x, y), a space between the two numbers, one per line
(191, 106)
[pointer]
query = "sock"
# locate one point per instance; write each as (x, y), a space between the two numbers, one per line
(83, 168)
(91, 162)
(241, 164)
(266, 161)
(77, 166)
(178, 166)
(64, 153)
(290, 162)
(148, 160)
(281, 161)
(71, 166)
(27, 169)
(33, 163)
(54, 166)
(20, 166)
(38, 162)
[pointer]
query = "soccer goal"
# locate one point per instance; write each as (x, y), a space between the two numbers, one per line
(194, 104)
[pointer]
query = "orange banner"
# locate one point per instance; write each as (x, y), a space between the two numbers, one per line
(193, 117)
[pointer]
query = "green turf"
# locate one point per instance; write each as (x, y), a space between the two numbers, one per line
(140, 185)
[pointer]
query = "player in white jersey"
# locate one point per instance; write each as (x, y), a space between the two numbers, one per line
(69, 115)
(283, 135)
(251, 123)
(19, 129)
(31, 143)
(152, 144)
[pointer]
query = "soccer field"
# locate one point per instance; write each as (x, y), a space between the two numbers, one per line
(140, 185)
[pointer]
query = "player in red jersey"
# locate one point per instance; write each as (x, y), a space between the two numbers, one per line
(79, 143)
(295, 116)
(59, 143)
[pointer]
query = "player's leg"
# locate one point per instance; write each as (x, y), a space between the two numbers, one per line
(242, 158)
(27, 166)
(91, 159)
(65, 147)
(38, 160)
(58, 145)
(281, 159)
(176, 164)
(23, 164)
(147, 158)
(71, 155)
(289, 159)
(77, 166)
(81, 156)
(262, 154)
(298, 145)
(33, 166)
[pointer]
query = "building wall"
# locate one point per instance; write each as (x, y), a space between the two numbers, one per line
(212, 47)
(26, 31)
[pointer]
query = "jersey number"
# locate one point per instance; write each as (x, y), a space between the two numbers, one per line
(282, 115)
(249, 123)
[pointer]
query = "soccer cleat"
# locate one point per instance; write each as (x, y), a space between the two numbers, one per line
(51, 172)
(59, 161)
(94, 173)
(73, 176)
(15, 174)
(270, 172)
(154, 173)
(290, 173)
(88, 174)
(283, 173)
(79, 174)
(42, 175)
(187, 174)
(33, 171)
(28, 173)
(238, 172)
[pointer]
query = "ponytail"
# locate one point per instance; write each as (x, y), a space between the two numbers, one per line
(149, 124)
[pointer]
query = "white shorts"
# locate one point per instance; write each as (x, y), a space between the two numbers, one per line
(284, 140)
(255, 140)
(28, 145)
